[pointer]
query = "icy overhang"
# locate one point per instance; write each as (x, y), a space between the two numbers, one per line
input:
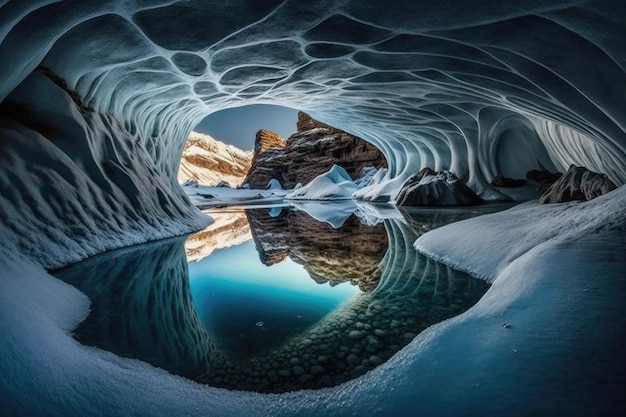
(476, 87)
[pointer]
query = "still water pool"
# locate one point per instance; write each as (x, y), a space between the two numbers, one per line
(275, 300)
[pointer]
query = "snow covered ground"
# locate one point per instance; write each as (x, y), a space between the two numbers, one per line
(547, 338)
(203, 196)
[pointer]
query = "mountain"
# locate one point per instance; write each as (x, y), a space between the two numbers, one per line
(309, 152)
(210, 161)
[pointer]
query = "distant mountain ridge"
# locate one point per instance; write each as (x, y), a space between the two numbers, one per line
(210, 161)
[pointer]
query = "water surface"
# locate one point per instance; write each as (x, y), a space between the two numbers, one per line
(275, 300)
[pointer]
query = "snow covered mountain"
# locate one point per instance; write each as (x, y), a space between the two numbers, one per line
(210, 161)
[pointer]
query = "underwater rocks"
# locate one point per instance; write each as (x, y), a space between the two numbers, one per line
(358, 336)
(309, 152)
(578, 183)
(430, 188)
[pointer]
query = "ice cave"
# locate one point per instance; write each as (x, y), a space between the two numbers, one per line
(98, 98)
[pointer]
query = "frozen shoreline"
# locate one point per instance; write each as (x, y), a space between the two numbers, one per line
(558, 288)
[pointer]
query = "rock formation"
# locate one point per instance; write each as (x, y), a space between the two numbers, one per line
(349, 253)
(266, 139)
(309, 152)
(430, 188)
(578, 183)
(210, 161)
(502, 181)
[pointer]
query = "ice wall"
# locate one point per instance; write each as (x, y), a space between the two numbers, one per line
(475, 87)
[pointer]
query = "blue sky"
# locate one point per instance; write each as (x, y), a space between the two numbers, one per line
(238, 126)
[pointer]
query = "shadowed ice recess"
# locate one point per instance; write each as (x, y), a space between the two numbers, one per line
(303, 304)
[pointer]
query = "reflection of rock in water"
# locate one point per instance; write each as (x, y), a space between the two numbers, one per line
(142, 307)
(414, 292)
(229, 228)
(349, 253)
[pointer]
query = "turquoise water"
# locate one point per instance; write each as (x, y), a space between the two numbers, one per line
(250, 308)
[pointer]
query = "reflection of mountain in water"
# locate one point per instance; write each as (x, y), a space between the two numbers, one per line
(351, 252)
(229, 228)
(142, 307)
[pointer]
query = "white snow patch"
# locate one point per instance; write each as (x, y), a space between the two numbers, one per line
(206, 197)
(334, 184)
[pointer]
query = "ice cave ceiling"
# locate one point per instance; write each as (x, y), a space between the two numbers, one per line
(477, 87)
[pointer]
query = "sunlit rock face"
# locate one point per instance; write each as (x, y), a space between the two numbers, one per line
(476, 88)
(210, 161)
(312, 150)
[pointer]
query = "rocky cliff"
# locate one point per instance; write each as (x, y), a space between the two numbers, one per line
(309, 152)
(210, 161)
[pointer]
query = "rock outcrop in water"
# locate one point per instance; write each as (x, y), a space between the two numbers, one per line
(578, 183)
(430, 188)
(210, 161)
(309, 152)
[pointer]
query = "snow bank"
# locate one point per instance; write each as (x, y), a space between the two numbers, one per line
(485, 246)
(75, 182)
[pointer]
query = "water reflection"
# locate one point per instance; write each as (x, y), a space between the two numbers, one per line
(142, 297)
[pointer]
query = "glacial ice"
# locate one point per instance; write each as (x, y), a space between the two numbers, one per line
(97, 99)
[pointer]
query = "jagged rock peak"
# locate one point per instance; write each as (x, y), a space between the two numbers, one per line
(309, 152)
(266, 139)
(306, 122)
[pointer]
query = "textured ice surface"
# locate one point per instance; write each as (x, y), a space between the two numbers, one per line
(476, 88)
